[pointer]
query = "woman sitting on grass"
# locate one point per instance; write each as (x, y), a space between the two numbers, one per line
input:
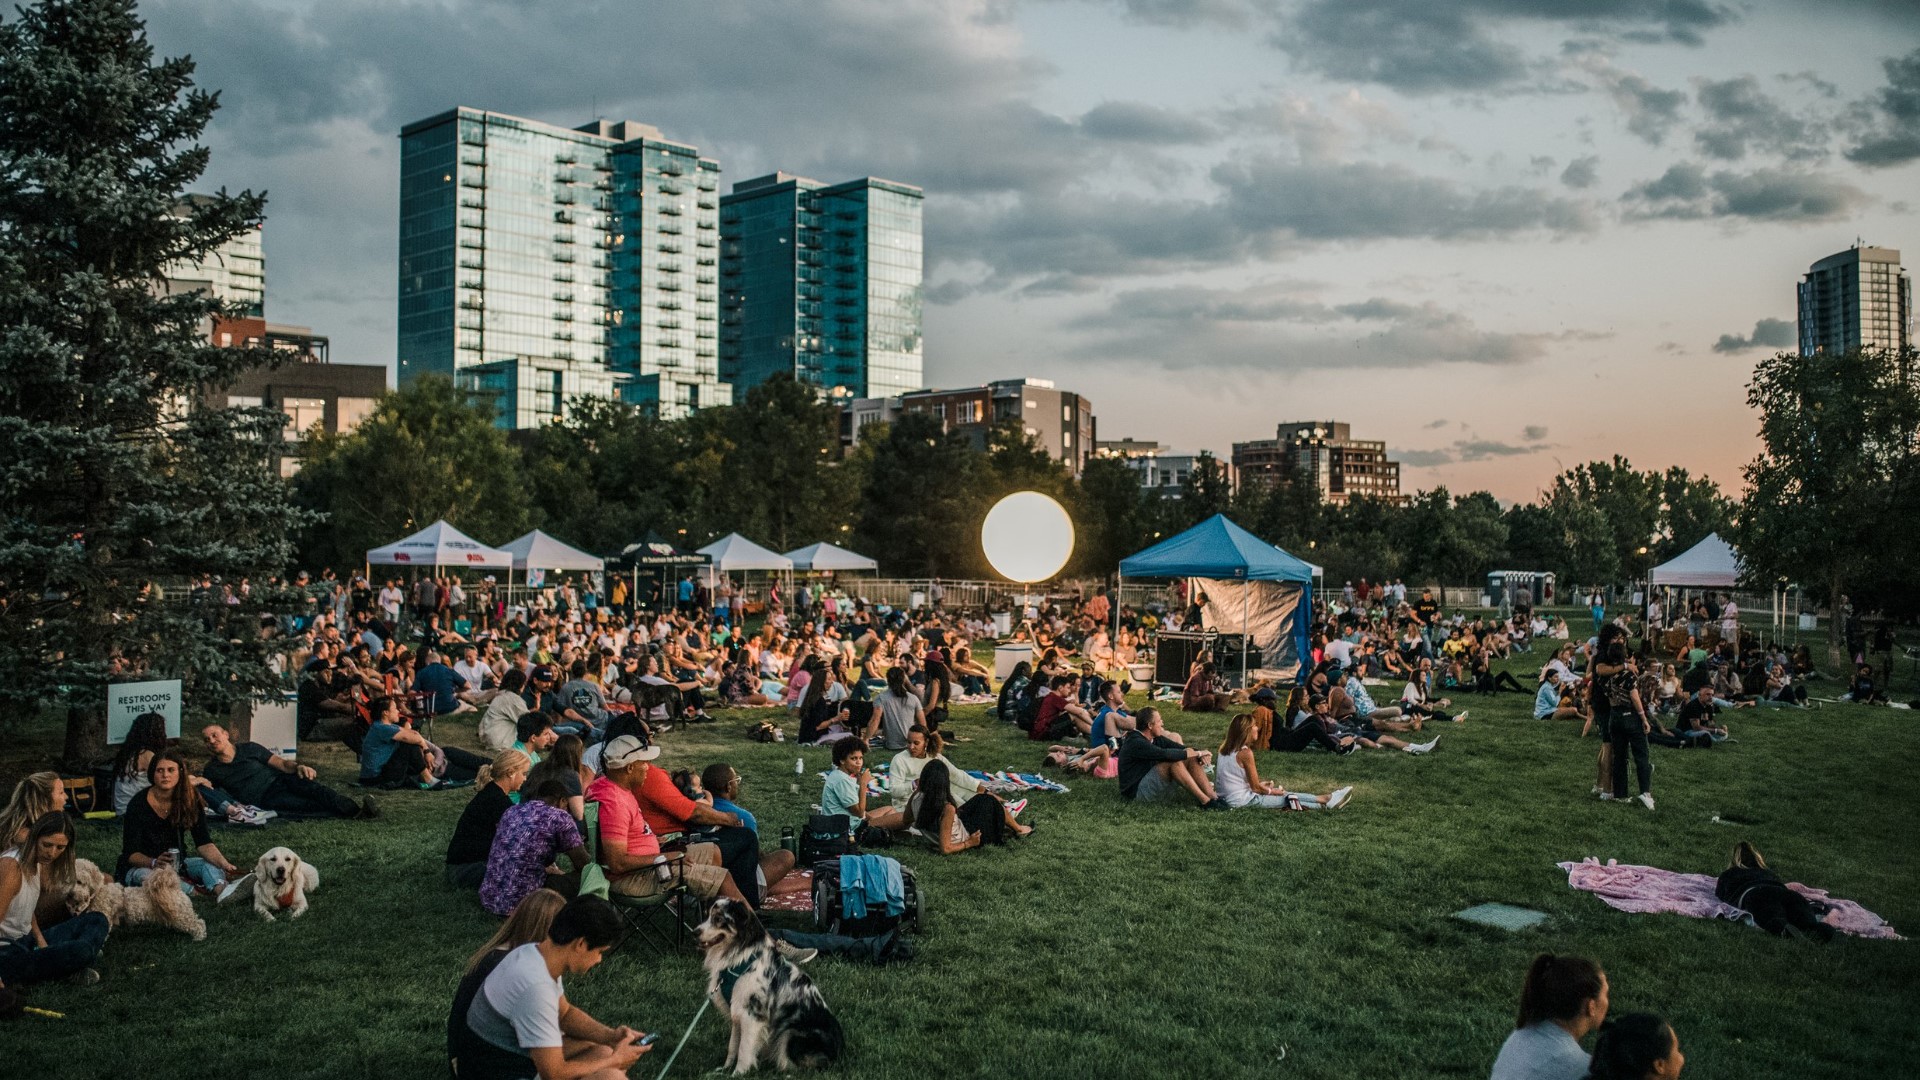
(530, 837)
(949, 829)
(975, 679)
(156, 822)
(1637, 1046)
(903, 774)
(563, 763)
(473, 836)
(528, 923)
(42, 865)
(1013, 693)
(1417, 699)
(1237, 777)
(39, 794)
(1563, 999)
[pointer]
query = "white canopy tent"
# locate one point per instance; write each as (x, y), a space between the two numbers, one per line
(735, 552)
(439, 544)
(825, 556)
(1710, 564)
(538, 551)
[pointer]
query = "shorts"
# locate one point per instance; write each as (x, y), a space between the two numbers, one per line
(1155, 787)
(701, 867)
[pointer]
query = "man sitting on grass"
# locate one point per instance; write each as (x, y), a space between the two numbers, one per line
(1059, 715)
(521, 1023)
(1154, 764)
(259, 777)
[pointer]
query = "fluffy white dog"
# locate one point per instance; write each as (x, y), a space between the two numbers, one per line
(281, 882)
(158, 901)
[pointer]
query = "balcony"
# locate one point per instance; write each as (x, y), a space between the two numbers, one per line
(563, 238)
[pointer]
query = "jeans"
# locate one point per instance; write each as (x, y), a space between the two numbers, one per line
(588, 735)
(1624, 735)
(71, 947)
(193, 871)
(974, 685)
(293, 795)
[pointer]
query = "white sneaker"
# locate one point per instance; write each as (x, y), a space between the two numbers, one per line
(1606, 796)
(1600, 791)
(262, 814)
(1646, 799)
(1339, 797)
(1462, 715)
(1424, 747)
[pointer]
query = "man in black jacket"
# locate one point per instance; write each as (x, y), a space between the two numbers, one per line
(1153, 764)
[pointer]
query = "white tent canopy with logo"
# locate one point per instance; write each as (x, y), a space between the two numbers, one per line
(1710, 564)
(538, 551)
(735, 552)
(825, 556)
(438, 545)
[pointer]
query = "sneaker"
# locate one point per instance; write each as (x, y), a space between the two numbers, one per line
(1339, 797)
(1606, 796)
(368, 808)
(1425, 747)
(84, 977)
(1016, 806)
(794, 952)
(1645, 799)
(1601, 792)
(261, 814)
(1462, 716)
(232, 888)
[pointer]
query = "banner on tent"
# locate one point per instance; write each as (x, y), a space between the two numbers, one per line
(1267, 609)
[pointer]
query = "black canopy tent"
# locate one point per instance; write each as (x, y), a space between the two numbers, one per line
(656, 558)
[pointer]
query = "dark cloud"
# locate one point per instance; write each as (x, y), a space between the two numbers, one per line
(1650, 110)
(1741, 116)
(1232, 14)
(1475, 450)
(1893, 136)
(1688, 192)
(1533, 432)
(1422, 459)
(1767, 334)
(1419, 46)
(1131, 121)
(1436, 424)
(1582, 172)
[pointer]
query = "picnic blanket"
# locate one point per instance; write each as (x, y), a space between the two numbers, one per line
(1645, 890)
(999, 783)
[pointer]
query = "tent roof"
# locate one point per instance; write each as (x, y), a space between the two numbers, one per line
(538, 551)
(736, 552)
(439, 544)
(824, 556)
(1711, 562)
(1217, 548)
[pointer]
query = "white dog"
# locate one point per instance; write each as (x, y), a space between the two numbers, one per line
(159, 901)
(776, 1010)
(281, 882)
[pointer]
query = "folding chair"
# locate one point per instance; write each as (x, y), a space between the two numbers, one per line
(673, 901)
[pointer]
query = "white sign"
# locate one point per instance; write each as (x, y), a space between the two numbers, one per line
(274, 725)
(128, 700)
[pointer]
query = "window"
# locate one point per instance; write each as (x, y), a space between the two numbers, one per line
(244, 401)
(349, 411)
(288, 466)
(1066, 413)
(1066, 440)
(302, 415)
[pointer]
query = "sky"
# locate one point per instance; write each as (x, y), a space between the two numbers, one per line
(1504, 236)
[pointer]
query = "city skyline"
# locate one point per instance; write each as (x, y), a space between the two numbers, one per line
(1506, 243)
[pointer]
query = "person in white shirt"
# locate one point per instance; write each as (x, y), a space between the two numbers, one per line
(905, 771)
(521, 1023)
(390, 598)
(1340, 649)
(1563, 1000)
(469, 668)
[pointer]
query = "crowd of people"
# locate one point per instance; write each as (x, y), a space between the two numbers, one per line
(571, 693)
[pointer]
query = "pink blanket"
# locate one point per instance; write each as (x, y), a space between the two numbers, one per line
(1647, 890)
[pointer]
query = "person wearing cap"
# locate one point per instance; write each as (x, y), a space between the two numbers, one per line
(543, 695)
(629, 848)
(670, 813)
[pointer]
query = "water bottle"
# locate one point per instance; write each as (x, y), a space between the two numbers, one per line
(789, 842)
(799, 770)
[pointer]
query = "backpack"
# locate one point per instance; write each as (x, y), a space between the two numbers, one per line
(826, 836)
(830, 916)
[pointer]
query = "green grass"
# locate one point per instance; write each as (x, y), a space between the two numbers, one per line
(1127, 940)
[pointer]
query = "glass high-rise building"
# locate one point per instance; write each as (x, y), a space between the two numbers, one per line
(541, 264)
(1859, 298)
(822, 282)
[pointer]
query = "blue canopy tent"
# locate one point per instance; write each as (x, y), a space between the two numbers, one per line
(1246, 580)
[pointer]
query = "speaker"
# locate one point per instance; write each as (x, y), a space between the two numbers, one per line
(1174, 653)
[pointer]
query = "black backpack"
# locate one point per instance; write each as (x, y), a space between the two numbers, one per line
(825, 837)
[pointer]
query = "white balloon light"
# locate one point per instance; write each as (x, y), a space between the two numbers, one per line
(1027, 537)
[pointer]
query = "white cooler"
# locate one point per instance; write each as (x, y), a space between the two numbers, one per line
(1006, 656)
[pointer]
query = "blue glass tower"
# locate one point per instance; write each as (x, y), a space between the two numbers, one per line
(821, 282)
(540, 264)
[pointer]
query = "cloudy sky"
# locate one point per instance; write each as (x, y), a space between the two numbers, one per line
(1505, 236)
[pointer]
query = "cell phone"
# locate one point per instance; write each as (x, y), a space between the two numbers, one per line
(647, 1039)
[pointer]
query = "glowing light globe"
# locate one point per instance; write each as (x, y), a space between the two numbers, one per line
(1027, 537)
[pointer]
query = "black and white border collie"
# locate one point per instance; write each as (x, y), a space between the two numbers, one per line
(776, 1011)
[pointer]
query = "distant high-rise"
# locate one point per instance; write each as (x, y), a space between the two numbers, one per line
(235, 272)
(1859, 298)
(543, 264)
(1325, 452)
(822, 283)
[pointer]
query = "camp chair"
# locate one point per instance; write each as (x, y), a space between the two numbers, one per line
(661, 920)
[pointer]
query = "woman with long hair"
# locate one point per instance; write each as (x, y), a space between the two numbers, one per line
(1012, 692)
(148, 736)
(156, 823)
(472, 838)
(527, 924)
(563, 763)
(1748, 884)
(1237, 778)
(975, 679)
(1637, 1046)
(939, 693)
(43, 865)
(898, 709)
(39, 794)
(984, 819)
(1563, 1000)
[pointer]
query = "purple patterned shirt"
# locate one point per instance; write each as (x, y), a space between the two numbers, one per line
(529, 837)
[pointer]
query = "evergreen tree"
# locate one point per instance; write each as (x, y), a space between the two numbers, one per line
(425, 453)
(111, 484)
(920, 506)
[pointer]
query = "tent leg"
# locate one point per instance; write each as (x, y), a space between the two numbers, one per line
(1246, 588)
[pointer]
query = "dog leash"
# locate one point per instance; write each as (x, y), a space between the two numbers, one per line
(705, 1000)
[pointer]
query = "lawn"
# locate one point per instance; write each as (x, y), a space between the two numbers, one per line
(1125, 940)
